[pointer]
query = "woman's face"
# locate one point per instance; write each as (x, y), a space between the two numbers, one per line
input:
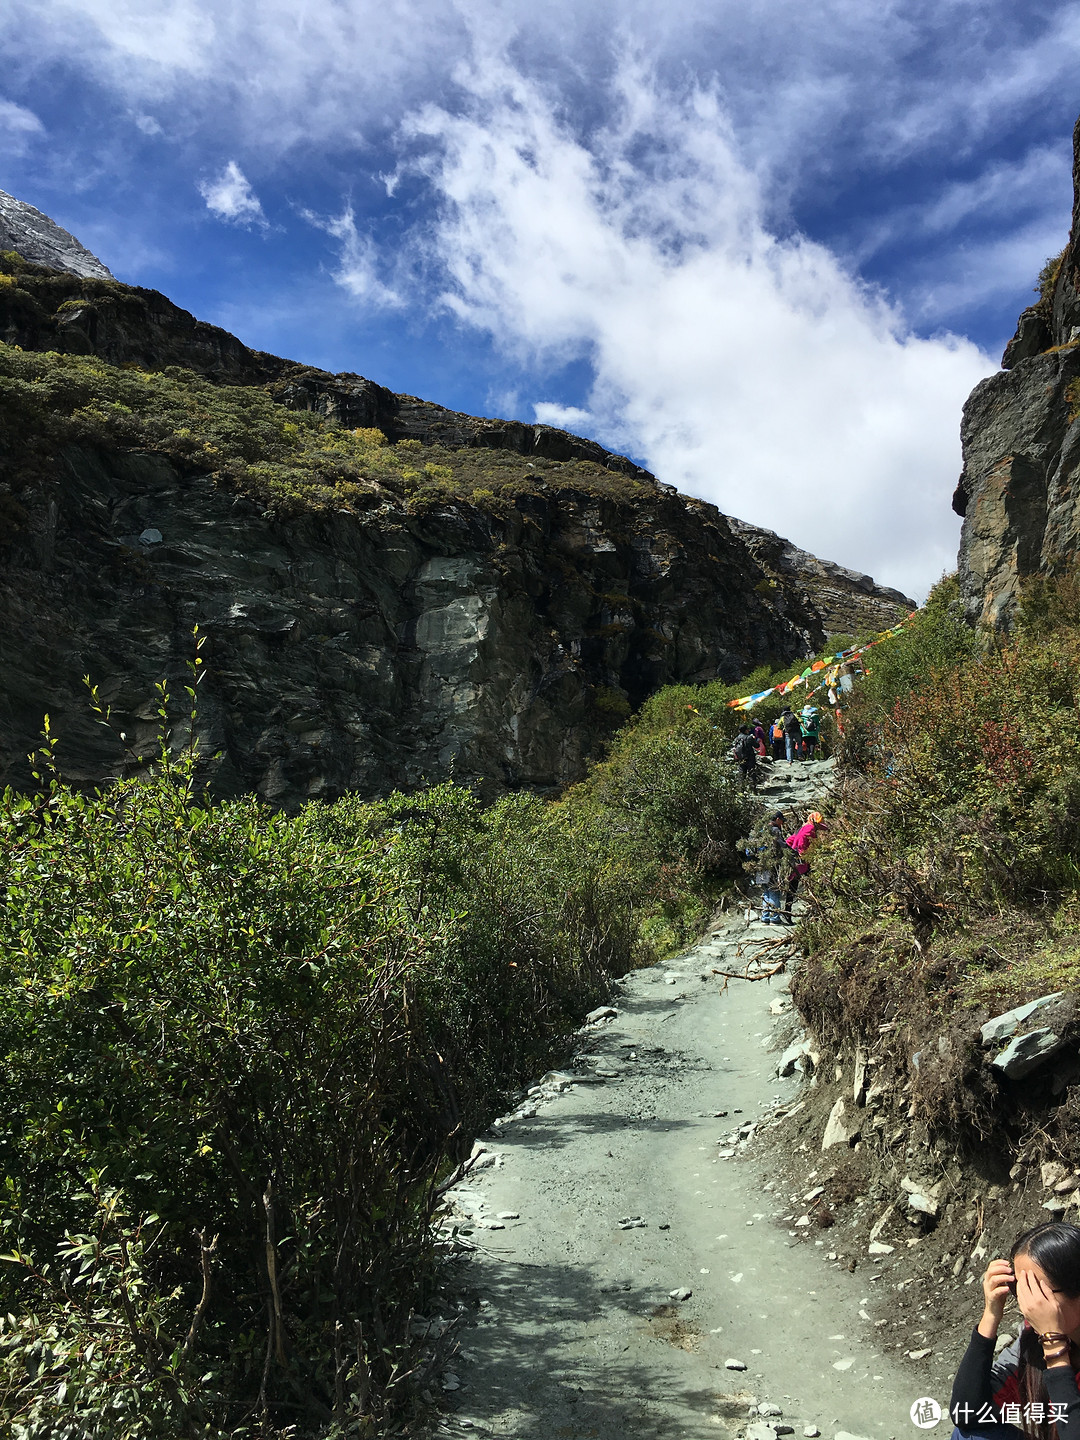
(1070, 1304)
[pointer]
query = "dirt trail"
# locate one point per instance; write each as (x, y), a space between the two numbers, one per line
(577, 1335)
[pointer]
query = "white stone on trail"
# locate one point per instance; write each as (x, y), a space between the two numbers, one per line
(509, 1215)
(919, 1354)
(811, 1432)
(730, 1364)
(769, 1409)
(682, 1293)
(844, 1364)
(761, 1430)
(878, 1247)
(602, 1012)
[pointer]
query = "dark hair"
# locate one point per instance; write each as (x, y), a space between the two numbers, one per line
(1055, 1247)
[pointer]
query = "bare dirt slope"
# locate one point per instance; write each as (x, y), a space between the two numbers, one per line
(577, 1333)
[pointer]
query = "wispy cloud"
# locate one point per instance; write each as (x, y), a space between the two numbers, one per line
(231, 198)
(357, 269)
(19, 127)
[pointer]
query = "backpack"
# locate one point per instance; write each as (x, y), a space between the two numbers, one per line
(760, 849)
(744, 747)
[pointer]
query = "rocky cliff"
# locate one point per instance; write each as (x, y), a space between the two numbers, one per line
(35, 237)
(1019, 492)
(493, 613)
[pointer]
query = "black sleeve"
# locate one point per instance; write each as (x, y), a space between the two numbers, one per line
(971, 1388)
(1061, 1390)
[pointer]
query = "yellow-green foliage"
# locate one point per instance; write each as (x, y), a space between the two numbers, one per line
(289, 459)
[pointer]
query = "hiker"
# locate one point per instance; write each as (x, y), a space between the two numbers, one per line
(776, 834)
(1030, 1387)
(811, 729)
(792, 733)
(744, 751)
(778, 738)
(797, 864)
(761, 740)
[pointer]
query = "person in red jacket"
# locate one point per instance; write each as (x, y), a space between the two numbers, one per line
(1031, 1388)
(800, 843)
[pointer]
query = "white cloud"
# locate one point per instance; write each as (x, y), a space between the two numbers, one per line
(754, 372)
(18, 127)
(358, 260)
(231, 198)
(565, 417)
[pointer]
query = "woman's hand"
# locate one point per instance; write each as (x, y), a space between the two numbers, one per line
(1040, 1307)
(997, 1286)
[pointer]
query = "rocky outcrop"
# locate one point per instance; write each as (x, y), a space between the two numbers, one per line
(848, 603)
(1019, 492)
(35, 237)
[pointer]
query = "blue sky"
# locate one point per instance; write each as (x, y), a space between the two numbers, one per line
(765, 246)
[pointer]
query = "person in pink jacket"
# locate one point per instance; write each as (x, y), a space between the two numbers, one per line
(800, 843)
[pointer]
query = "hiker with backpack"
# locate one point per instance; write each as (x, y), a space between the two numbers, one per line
(811, 729)
(777, 735)
(792, 733)
(761, 740)
(744, 751)
(765, 856)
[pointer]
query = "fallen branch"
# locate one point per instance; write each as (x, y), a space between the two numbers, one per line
(745, 974)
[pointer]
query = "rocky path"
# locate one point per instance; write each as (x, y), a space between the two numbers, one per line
(637, 1276)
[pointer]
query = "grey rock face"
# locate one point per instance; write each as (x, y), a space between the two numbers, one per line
(41, 240)
(363, 652)
(1019, 492)
(848, 603)
(360, 652)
